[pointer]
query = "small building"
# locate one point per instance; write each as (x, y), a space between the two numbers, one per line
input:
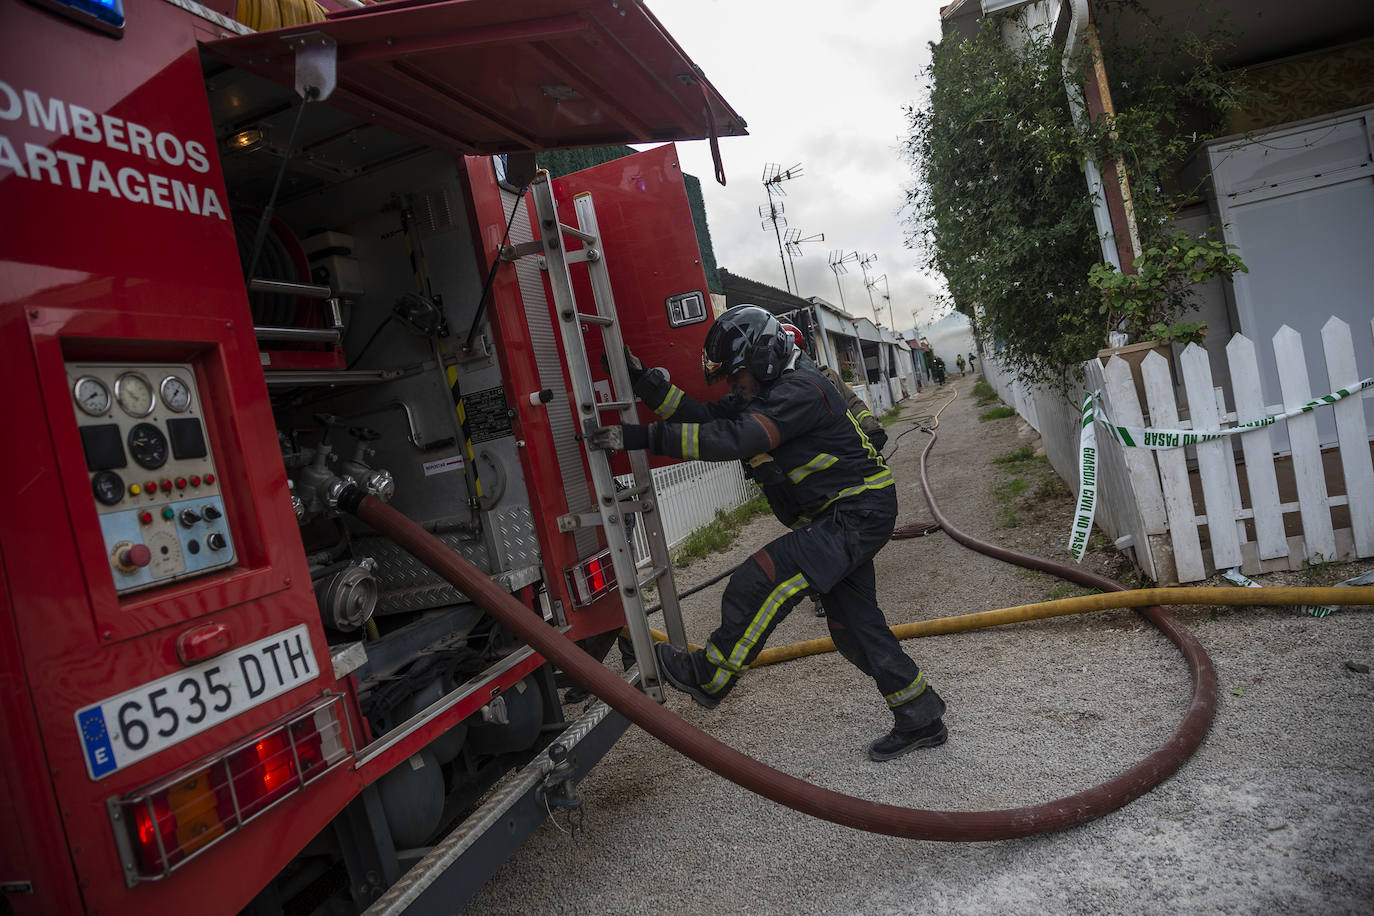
(875, 362)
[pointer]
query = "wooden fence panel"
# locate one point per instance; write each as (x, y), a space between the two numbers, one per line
(1118, 513)
(1258, 450)
(1125, 407)
(1212, 458)
(1173, 472)
(1318, 537)
(1352, 433)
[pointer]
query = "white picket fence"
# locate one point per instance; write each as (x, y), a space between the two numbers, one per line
(690, 494)
(1151, 497)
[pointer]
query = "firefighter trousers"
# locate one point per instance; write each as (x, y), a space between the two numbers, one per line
(831, 557)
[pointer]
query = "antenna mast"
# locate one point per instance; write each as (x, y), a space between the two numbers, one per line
(773, 177)
(793, 241)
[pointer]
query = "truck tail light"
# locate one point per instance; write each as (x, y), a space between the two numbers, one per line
(161, 826)
(592, 578)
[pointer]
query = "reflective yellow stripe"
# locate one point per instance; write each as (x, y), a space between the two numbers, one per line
(691, 445)
(872, 452)
(872, 482)
(719, 682)
(819, 463)
(778, 597)
(909, 692)
(861, 414)
(723, 675)
(671, 401)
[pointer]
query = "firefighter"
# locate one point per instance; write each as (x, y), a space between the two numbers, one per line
(872, 427)
(823, 479)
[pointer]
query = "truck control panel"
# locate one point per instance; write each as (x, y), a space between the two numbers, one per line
(152, 472)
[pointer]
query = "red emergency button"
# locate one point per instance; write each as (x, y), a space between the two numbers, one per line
(166, 485)
(136, 555)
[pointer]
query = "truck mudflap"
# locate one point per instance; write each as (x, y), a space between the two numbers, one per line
(458, 866)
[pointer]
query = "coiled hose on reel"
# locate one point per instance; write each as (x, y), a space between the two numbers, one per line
(861, 814)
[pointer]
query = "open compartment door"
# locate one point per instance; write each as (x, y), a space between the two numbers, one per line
(481, 77)
(654, 265)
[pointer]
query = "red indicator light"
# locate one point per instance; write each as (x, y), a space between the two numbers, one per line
(209, 478)
(195, 480)
(166, 485)
(200, 643)
(596, 575)
(145, 517)
(181, 483)
(150, 488)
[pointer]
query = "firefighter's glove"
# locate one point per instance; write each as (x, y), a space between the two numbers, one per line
(650, 384)
(879, 439)
(631, 436)
(635, 367)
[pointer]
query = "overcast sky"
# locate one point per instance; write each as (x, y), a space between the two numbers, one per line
(824, 85)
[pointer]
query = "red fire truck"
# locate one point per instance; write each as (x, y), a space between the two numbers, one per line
(238, 271)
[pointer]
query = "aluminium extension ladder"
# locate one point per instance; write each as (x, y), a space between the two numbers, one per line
(610, 503)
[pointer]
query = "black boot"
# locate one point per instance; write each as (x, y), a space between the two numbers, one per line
(690, 673)
(917, 724)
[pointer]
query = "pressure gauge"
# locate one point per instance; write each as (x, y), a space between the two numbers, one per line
(148, 445)
(91, 396)
(176, 394)
(134, 394)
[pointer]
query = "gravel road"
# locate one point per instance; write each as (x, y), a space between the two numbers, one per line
(1273, 814)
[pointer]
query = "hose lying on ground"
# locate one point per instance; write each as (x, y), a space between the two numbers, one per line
(781, 787)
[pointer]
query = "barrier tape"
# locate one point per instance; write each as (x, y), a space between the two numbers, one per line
(1161, 439)
(1087, 482)
(1157, 440)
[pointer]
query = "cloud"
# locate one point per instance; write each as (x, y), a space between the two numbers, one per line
(824, 85)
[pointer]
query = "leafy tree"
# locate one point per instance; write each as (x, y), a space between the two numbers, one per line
(1000, 205)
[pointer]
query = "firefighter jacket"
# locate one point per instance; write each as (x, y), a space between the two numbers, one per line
(797, 438)
(856, 405)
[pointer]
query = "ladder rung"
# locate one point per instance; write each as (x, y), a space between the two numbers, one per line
(576, 233)
(633, 492)
(595, 319)
(654, 575)
(613, 405)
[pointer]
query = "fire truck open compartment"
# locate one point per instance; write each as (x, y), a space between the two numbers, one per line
(396, 378)
(292, 291)
(383, 222)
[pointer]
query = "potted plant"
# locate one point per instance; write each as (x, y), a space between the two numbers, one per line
(1145, 310)
(1149, 305)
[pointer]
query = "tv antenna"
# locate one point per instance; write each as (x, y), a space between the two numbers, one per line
(886, 294)
(837, 261)
(793, 241)
(865, 261)
(773, 177)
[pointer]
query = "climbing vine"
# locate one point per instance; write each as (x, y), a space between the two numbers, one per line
(1000, 205)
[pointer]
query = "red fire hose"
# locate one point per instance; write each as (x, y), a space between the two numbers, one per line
(787, 790)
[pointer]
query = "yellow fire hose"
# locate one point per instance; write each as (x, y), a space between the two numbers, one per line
(1141, 597)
